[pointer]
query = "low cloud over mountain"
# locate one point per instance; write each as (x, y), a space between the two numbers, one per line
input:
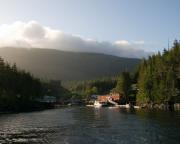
(33, 34)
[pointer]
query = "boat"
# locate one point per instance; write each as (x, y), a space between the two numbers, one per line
(97, 104)
(90, 105)
(127, 106)
(124, 106)
(137, 107)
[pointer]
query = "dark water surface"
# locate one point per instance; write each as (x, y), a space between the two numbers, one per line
(81, 125)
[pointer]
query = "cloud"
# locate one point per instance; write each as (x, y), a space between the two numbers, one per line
(122, 42)
(139, 42)
(34, 35)
(34, 30)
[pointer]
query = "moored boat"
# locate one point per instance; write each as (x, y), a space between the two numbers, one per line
(97, 104)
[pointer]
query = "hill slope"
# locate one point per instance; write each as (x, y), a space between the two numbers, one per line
(55, 64)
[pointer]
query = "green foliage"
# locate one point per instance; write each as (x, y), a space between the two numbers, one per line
(17, 87)
(54, 88)
(159, 77)
(123, 83)
(87, 88)
(123, 86)
(19, 90)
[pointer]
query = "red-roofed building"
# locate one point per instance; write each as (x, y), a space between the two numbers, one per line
(114, 96)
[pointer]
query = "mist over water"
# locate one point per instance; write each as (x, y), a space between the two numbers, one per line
(89, 125)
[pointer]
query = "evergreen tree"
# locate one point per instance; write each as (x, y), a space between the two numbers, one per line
(123, 85)
(158, 79)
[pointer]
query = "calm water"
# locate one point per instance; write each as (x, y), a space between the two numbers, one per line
(82, 125)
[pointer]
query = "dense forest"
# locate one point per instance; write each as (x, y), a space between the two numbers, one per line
(159, 77)
(19, 90)
(156, 81)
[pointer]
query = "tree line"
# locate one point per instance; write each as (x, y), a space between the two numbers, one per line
(19, 90)
(159, 77)
(84, 89)
(156, 81)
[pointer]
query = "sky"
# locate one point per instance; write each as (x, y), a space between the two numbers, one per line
(129, 28)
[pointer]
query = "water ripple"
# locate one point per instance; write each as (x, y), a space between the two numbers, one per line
(89, 125)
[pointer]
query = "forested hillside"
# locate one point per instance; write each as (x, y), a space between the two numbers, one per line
(61, 65)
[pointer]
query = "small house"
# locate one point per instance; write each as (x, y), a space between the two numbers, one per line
(48, 99)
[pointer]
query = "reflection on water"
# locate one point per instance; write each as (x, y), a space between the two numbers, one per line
(90, 125)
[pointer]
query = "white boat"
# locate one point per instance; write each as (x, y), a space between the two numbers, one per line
(136, 107)
(90, 105)
(113, 107)
(127, 106)
(97, 104)
(124, 106)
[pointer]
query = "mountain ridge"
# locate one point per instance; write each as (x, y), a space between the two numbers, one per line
(66, 65)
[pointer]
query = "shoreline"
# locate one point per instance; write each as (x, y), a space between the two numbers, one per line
(176, 107)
